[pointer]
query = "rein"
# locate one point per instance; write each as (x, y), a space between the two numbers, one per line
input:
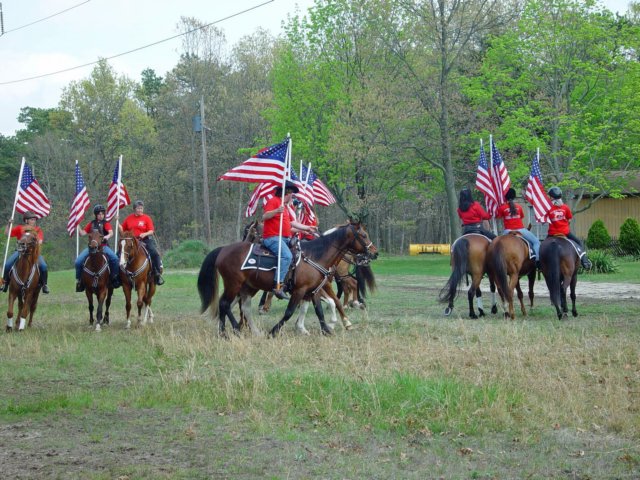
(24, 286)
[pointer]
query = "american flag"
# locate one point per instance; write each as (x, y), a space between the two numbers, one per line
(535, 193)
(112, 200)
(268, 165)
(30, 195)
(484, 183)
(321, 193)
(262, 191)
(79, 204)
(500, 178)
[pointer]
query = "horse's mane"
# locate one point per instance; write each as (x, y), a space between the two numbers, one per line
(317, 247)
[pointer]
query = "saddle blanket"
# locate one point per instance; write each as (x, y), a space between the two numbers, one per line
(259, 258)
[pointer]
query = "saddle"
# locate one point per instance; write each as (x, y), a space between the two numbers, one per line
(575, 246)
(527, 243)
(261, 258)
(469, 234)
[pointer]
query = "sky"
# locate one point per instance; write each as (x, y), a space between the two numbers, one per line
(85, 30)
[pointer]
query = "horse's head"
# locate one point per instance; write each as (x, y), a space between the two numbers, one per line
(128, 248)
(362, 244)
(28, 243)
(95, 241)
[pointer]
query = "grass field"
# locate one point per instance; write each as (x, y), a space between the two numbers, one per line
(407, 394)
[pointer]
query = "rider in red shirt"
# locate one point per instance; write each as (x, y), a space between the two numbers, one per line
(512, 215)
(29, 219)
(273, 210)
(142, 227)
(472, 215)
(559, 216)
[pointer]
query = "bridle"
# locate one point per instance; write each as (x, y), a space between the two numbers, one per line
(127, 256)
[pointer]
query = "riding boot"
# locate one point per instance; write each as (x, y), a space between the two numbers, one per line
(159, 279)
(277, 291)
(5, 283)
(115, 281)
(79, 286)
(585, 262)
(43, 281)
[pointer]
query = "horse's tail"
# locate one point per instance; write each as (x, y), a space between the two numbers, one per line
(551, 260)
(366, 280)
(499, 267)
(208, 283)
(459, 261)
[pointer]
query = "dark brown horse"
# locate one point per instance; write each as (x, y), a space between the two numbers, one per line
(319, 258)
(95, 277)
(560, 263)
(136, 275)
(24, 281)
(468, 257)
(507, 261)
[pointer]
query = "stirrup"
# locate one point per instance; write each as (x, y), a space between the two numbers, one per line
(279, 293)
(159, 279)
(5, 286)
(79, 286)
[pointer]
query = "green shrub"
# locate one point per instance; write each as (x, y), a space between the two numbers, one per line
(603, 262)
(630, 237)
(598, 237)
(188, 254)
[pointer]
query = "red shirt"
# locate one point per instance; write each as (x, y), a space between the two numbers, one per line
(511, 222)
(310, 223)
(106, 229)
(475, 214)
(272, 225)
(19, 230)
(138, 224)
(559, 216)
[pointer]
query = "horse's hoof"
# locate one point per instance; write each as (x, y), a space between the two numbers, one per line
(565, 316)
(473, 316)
(575, 313)
(507, 316)
(327, 333)
(494, 309)
(480, 312)
(447, 311)
(8, 329)
(304, 331)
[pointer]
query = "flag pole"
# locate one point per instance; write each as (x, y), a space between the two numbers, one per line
(287, 165)
(115, 242)
(494, 228)
(13, 211)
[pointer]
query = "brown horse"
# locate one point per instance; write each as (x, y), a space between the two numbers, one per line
(507, 261)
(95, 277)
(319, 258)
(136, 274)
(468, 256)
(24, 282)
(354, 278)
(560, 263)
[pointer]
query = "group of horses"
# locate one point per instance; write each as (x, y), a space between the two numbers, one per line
(505, 260)
(136, 275)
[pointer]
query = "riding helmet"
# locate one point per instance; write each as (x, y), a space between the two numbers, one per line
(98, 208)
(555, 193)
(27, 215)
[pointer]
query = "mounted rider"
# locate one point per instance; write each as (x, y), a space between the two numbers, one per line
(559, 216)
(512, 215)
(29, 219)
(106, 231)
(274, 211)
(142, 227)
(473, 215)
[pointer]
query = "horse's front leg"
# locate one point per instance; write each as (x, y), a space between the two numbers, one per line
(317, 305)
(24, 303)
(140, 290)
(107, 305)
(12, 300)
(574, 281)
(100, 318)
(89, 293)
(300, 320)
(295, 299)
(127, 302)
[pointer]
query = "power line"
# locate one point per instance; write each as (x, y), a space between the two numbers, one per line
(139, 48)
(4, 32)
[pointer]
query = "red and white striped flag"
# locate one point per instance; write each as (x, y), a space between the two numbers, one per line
(31, 197)
(484, 183)
(268, 165)
(263, 191)
(535, 192)
(118, 196)
(79, 204)
(500, 178)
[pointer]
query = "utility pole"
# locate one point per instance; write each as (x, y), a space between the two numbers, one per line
(205, 176)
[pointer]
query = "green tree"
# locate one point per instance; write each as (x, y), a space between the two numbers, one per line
(630, 236)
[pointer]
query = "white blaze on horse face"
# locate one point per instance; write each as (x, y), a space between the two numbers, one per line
(123, 262)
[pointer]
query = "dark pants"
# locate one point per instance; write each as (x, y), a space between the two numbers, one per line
(476, 229)
(156, 261)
